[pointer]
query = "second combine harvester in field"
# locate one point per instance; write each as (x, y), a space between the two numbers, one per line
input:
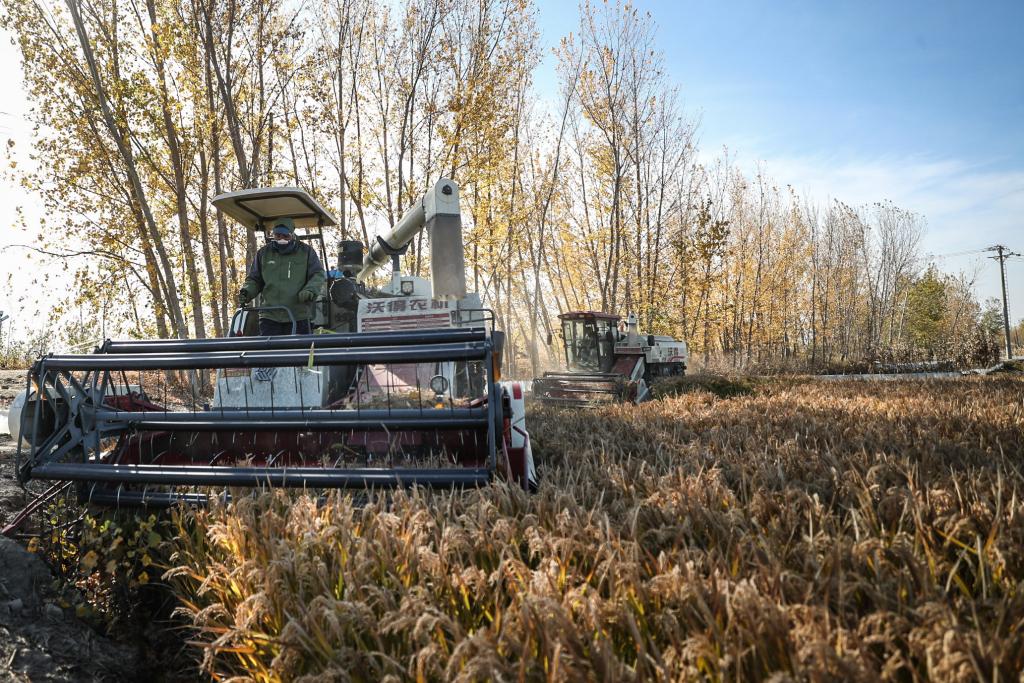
(402, 386)
(608, 360)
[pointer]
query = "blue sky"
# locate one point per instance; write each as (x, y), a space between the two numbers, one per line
(869, 77)
(918, 102)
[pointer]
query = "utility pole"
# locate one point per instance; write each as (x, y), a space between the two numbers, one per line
(1002, 253)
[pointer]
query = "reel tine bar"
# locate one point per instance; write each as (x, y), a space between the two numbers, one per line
(286, 411)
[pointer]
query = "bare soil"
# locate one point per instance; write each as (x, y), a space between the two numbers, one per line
(40, 640)
(11, 382)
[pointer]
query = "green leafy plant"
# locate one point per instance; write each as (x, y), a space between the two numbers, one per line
(104, 560)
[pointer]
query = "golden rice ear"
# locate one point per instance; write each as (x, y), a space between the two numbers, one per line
(841, 531)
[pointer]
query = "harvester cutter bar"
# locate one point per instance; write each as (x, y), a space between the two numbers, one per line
(590, 390)
(575, 402)
(119, 497)
(584, 384)
(582, 377)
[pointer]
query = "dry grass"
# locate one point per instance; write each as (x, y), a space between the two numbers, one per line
(851, 531)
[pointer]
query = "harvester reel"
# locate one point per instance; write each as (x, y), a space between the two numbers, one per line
(291, 430)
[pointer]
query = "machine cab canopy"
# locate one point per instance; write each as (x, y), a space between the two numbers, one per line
(589, 340)
(259, 207)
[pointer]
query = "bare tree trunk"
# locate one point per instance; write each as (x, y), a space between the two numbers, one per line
(131, 170)
(180, 190)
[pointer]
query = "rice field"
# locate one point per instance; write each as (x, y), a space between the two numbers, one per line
(805, 531)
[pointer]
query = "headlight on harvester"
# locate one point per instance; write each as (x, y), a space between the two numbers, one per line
(439, 384)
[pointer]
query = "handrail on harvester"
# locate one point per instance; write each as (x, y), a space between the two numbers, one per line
(257, 309)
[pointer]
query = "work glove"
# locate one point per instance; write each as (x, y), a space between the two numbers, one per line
(306, 295)
(244, 296)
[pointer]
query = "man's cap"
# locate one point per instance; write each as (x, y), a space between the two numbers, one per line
(285, 224)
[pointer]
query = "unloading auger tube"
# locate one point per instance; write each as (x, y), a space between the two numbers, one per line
(158, 422)
(438, 213)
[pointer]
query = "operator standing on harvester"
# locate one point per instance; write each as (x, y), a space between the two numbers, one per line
(288, 274)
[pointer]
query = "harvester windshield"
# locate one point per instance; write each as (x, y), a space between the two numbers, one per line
(589, 343)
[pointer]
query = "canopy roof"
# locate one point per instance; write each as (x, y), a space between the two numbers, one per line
(588, 315)
(261, 206)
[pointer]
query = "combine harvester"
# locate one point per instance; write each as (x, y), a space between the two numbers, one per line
(401, 386)
(606, 364)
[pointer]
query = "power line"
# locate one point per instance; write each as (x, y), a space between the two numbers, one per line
(957, 253)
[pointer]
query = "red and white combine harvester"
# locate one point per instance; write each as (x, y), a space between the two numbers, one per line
(608, 360)
(401, 385)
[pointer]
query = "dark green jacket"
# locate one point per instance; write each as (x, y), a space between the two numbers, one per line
(279, 274)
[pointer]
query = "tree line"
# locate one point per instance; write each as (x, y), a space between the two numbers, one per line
(597, 199)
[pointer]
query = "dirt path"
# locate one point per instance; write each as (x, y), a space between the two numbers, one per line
(40, 641)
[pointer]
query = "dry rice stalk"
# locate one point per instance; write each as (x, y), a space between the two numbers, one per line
(803, 532)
